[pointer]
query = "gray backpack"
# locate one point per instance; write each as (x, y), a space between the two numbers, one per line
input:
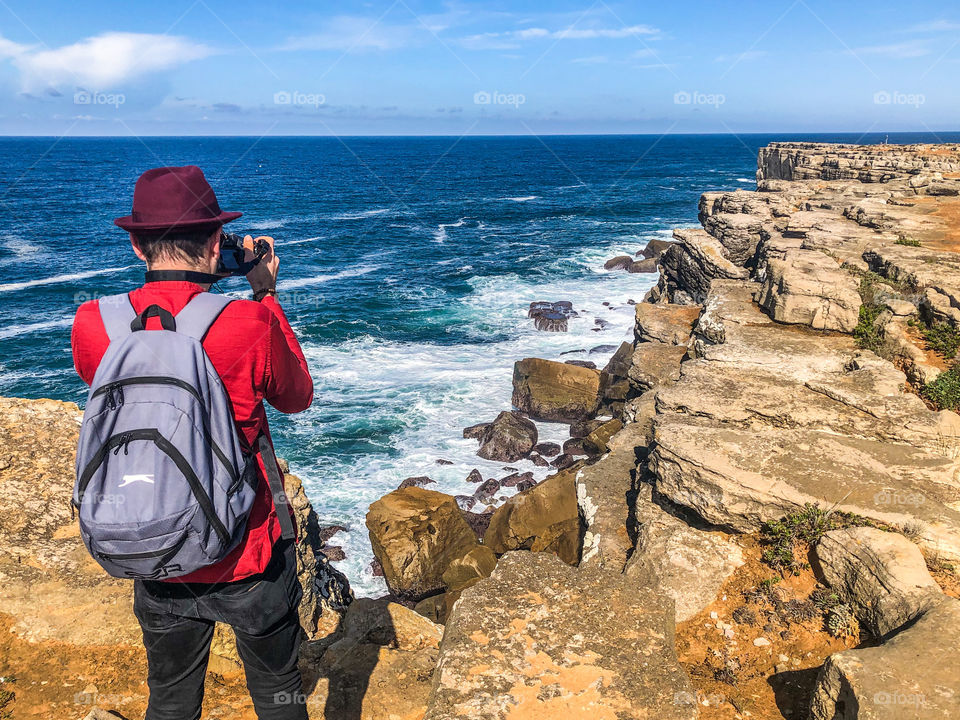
(164, 486)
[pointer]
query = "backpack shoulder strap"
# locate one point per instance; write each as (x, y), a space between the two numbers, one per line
(277, 492)
(117, 313)
(200, 313)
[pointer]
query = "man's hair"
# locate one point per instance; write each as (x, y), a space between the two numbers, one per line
(176, 243)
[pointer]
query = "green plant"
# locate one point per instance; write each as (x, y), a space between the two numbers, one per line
(942, 338)
(910, 242)
(780, 538)
(944, 392)
(866, 333)
(841, 622)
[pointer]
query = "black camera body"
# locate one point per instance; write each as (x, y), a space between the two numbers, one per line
(232, 254)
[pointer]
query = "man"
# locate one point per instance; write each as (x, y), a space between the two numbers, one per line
(175, 227)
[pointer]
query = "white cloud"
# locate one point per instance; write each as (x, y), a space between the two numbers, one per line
(741, 57)
(935, 26)
(101, 62)
(515, 38)
(348, 32)
(912, 49)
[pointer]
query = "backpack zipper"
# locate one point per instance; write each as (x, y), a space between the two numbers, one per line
(114, 393)
(147, 554)
(166, 447)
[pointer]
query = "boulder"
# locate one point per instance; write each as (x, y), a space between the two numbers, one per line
(596, 442)
(585, 427)
(416, 534)
(548, 449)
(418, 481)
(912, 675)
(475, 432)
(648, 265)
(508, 438)
(809, 288)
(614, 384)
(685, 563)
(655, 248)
(554, 391)
(655, 364)
(486, 490)
(620, 262)
(541, 639)
(671, 324)
(881, 574)
(474, 476)
(690, 265)
(543, 518)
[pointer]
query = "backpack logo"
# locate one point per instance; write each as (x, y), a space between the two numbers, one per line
(130, 479)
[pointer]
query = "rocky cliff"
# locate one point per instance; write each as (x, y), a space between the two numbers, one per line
(757, 513)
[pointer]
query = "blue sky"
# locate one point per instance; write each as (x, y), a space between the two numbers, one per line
(437, 68)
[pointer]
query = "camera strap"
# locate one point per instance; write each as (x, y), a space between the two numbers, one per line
(200, 278)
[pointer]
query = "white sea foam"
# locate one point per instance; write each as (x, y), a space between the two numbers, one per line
(10, 331)
(285, 285)
(58, 279)
(426, 393)
(440, 234)
(362, 215)
(746, 180)
(522, 198)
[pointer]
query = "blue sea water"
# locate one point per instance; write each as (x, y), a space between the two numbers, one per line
(407, 266)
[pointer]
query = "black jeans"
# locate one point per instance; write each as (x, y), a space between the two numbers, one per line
(177, 621)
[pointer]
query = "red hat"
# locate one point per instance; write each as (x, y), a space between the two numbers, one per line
(174, 197)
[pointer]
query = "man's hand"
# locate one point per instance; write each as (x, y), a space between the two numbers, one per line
(264, 274)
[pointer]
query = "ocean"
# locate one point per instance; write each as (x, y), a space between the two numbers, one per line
(407, 267)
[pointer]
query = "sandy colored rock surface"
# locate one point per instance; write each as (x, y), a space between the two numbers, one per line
(555, 391)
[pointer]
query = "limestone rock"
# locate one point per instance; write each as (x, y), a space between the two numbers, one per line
(596, 442)
(554, 391)
(690, 265)
(808, 288)
(540, 639)
(648, 265)
(508, 438)
(655, 248)
(881, 574)
(543, 518)
(912, 675)
(655, 364)
(416, 534)
(670, 324)
(684, 563)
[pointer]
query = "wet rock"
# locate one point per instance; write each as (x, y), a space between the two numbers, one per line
(548, 449)
(474, 476)
(599, 349)
(515, 479)
(553, 391)
(442, 461)
(881, 574)
(551, 322)
(574, 446)
(582, 363)
(508, 438)
(418, 481)
(487, 489)
(415, 534)
(538, 460)
(620, 262)
(478, 522)
(561, 462)
(334, 553)
(535, 638)
(655, 248)
(475, 432)
(648, 265)
(543, 518)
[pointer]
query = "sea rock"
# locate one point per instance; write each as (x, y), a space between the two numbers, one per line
(655, 248)
(548, 449)
(508, 438)
(620, 262)
(418, 481)
(474, 476)
(478, 522)
(416, 534)
(541, 639)
(881, 574)
(475, 432)
(809, 288)
(912, 675)
(690, 265)
(648, 265)
(670, 324)
(585, 427)
(614, 383)
(554, 391)
(516, 478)
(543, 518)
(551, 322)
(596, 442)
(683, 562)
(562, 462)
(574, 446)
(486, 490)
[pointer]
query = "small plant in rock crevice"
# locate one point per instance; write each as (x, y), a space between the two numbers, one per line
(908, 241)
(944, 392)
(941, 337)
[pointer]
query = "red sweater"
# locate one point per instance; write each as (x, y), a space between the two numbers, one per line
(258, 358)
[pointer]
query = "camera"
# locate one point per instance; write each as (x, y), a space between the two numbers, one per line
(232, 254)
